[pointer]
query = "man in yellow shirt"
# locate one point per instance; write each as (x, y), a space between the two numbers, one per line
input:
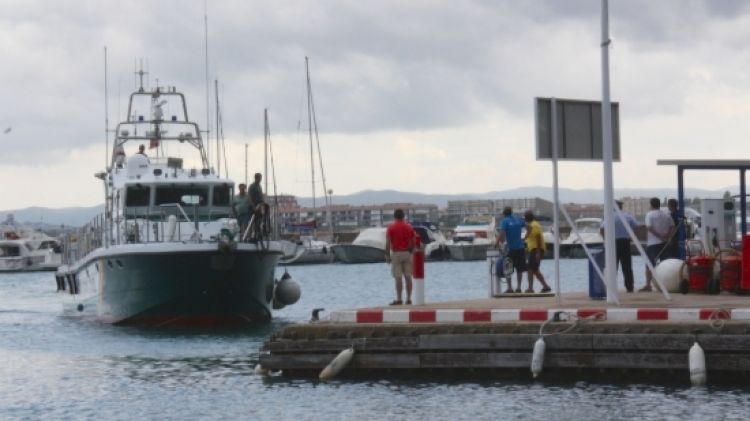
(535, 246)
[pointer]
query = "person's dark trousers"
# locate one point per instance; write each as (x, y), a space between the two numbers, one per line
(624, 258)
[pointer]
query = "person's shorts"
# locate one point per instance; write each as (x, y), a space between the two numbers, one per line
(652, 252)
(533, 261)
(518, 257)
(400, 263)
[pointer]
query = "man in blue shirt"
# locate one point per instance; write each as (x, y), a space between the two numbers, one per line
(510, 233)
(622, 244)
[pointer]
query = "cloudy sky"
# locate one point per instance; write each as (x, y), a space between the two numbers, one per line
(425, 96)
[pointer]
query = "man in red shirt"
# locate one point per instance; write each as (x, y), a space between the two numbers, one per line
(399, 243)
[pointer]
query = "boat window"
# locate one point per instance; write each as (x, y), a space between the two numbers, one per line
(10, 251)
(137, 195)
(222, 195)
(188, 195)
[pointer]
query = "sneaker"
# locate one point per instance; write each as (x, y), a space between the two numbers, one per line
(396, 303)
(509, 291)
(647, 288)
(545, 290)
(408, 302)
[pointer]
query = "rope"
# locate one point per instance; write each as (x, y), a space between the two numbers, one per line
(577, 321)
(718, 318)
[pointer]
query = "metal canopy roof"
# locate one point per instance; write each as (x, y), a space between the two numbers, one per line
(708, 164)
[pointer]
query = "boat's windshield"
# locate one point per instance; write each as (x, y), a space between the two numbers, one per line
(588, 227)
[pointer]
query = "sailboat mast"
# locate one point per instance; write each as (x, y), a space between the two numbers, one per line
(310, 131)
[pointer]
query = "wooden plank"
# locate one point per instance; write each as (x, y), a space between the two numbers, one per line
(501, 341)
(329, 345)
(385, 361)
(475, 360)
(295, 361)
(641, 361)
(719, 342)
(728, 362)
(643, 342)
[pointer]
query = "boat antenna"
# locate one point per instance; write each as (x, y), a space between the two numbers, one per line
(220, 130)
(218, 127)
(208, 112)
(310, 131)
(106, 113)
(265, 147)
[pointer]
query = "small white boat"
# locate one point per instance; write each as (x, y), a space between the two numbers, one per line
(26, 250)
(588, 228)
(368, 247)
(472, 238)
(433, 240)
(307, 250)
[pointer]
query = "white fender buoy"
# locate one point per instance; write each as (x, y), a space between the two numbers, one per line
(337, 364)
(537, 357)
(671, 272)
(259, 370)
(697, 365)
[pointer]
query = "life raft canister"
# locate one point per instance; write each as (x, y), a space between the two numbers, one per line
(730, 270)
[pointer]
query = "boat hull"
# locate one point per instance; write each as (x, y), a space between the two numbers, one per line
(353, 253)
(465, 252)
(188, 287)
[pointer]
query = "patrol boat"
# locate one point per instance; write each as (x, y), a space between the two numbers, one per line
(168, 250)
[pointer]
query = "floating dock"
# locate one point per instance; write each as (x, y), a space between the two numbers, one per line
(644, 337)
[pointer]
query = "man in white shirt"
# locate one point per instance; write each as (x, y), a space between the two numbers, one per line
(659, 225)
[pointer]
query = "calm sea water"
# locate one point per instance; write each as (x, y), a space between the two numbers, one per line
(53, 367)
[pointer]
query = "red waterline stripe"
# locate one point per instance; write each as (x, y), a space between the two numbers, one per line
(653, 314)
(477, 316)
(532, 315)
(599, 313)
(422, 316)
(370, 316)
(705, 314)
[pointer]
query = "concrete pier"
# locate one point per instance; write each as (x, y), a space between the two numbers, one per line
(645, 338)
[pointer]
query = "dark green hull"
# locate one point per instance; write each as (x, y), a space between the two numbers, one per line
(189, 287)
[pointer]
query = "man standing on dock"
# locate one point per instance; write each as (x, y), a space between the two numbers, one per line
(622, 244)
(659, 225)
(399, 243)
(535, 247)
(510, 232)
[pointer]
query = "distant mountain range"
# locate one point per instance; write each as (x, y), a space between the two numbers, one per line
(77, 216)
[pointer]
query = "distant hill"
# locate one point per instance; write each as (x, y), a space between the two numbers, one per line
(74, 216)
(77, 216)
(369, 197)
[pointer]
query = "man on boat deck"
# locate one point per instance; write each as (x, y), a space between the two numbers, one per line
(142, 150)
(241, 207)
(510, 232)
(536, 248)
(399, 243)
(256, 192)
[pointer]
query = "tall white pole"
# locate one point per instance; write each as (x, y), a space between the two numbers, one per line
(609, 221)
(556, 200)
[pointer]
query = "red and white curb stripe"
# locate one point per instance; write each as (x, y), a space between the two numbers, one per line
(534, 315)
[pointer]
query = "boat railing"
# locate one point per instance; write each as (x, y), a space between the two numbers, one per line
(151, 226)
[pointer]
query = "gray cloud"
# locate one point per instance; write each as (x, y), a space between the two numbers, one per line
(375, 65)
